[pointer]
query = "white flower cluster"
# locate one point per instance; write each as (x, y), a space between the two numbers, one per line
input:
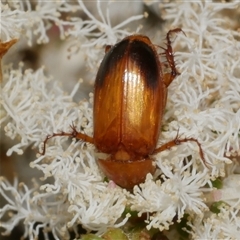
(225, 225)
(209, 107)
(203, 103)
(27, 92)
(20, 18)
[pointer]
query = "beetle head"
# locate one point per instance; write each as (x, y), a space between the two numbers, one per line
(126, 174)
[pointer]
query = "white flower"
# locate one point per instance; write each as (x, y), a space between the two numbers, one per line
(180, 192)
(186, 184)
(208, 108)
(98, 209)
(151, 198)
(32, 207)
(224, 225)
(20, 17)
(28, 92)
(95, 32)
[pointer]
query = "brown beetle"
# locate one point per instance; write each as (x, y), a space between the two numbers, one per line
(129, 101)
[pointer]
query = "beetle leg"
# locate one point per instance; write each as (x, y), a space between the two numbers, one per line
(73, 134)
(178, 141)
(169, 77)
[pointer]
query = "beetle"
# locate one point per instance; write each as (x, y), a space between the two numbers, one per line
(129, 101)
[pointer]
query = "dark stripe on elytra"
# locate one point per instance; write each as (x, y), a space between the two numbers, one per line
(110, 60)
(144, 57)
